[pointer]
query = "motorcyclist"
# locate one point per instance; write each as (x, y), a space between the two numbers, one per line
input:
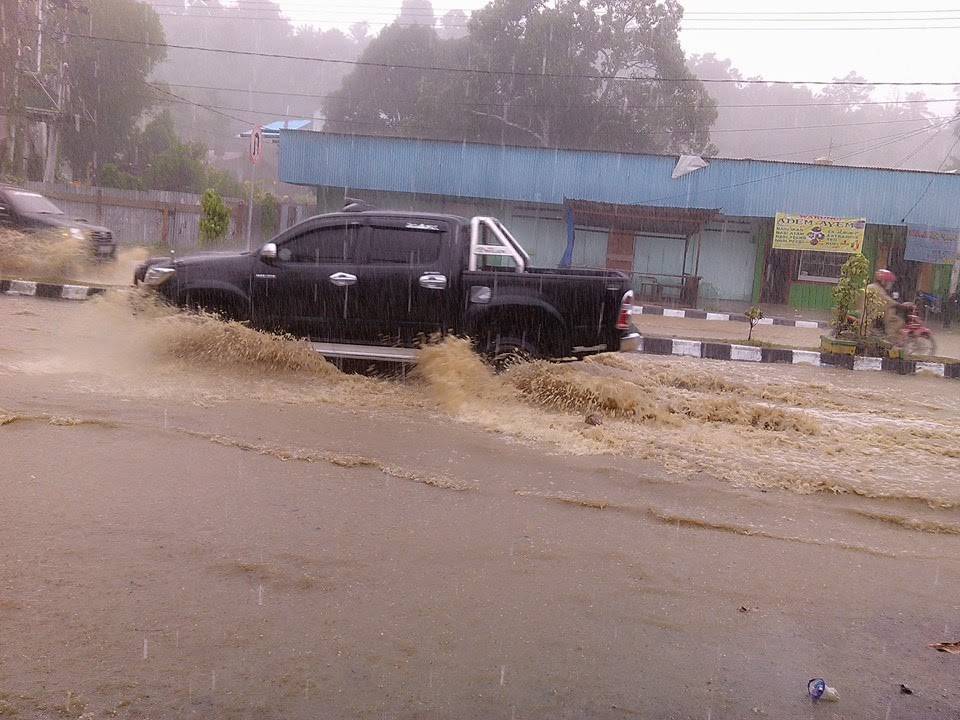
(881, 307)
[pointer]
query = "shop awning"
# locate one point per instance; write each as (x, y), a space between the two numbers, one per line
(640, 218)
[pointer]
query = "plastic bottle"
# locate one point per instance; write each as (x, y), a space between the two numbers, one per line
(819, 690)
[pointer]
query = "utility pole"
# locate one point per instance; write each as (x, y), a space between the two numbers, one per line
(4, 96)
(15, 104)
(55, 124)
(39, 36)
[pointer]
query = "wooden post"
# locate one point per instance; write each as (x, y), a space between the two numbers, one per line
(696, 266)
(164, 226)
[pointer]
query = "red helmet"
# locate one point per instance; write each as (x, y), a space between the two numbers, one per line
(884, 277)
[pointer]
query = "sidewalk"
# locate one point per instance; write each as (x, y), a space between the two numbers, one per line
(735, 331)
(768, 318)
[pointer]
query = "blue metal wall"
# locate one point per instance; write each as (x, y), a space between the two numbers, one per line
(747, 188)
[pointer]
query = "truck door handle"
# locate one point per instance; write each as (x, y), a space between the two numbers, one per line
(433, 281)
(342, 279)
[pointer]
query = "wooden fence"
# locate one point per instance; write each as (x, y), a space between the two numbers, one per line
(156, 217)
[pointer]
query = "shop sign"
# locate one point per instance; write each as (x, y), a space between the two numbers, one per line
(818, 233)
(932, 245)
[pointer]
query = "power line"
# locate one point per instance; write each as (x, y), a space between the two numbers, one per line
(913, 153)
(667, 132)
(776, 176)
(179, 98)
(889, 139)
(898, 137)
(516, 73)
(395, 18)
(266, 5)
(326, 20)
(273, 12)
(322, 96)
(852, 28)
(930, 184)
(819, 12)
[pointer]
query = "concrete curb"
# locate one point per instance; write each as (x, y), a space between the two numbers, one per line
(734, 317)
(49, 290)
(748, 353)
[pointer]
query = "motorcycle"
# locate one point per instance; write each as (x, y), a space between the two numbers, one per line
(914, 337)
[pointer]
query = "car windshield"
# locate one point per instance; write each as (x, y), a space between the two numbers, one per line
(33, 203)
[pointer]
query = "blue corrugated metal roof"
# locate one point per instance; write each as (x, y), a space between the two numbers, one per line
(751, 188)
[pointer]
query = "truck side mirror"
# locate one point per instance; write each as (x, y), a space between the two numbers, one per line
(268, 252)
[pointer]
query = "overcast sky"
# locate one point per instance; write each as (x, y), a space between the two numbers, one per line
(820, 40)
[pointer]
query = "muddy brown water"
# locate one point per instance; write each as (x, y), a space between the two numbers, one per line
(202, 522)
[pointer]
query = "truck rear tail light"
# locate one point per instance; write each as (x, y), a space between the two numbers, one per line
(626, 307)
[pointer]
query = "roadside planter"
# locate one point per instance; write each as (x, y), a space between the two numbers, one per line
(868, 347)
(836, 346)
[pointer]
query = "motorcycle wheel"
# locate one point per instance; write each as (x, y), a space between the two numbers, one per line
(920, 345)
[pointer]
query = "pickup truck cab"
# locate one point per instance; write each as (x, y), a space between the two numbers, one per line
(389, 279)
(27, 211)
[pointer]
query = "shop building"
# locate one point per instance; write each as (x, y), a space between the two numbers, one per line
(689, 231)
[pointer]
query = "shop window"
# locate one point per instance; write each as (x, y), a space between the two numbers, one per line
(821, 266)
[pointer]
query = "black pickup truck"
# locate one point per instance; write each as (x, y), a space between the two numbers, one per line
(27, 211)
(387, 279)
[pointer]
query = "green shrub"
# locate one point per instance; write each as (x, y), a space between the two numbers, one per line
(754, 316)
(215, 220)
(846, 296)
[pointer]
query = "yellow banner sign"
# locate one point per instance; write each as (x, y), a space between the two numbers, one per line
(816, 233)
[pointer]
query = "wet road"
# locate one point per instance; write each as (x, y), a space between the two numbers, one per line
(183, 540)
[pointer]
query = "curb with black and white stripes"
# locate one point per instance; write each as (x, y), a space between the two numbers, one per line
(53, 291)
(731, 317)
(750, 353)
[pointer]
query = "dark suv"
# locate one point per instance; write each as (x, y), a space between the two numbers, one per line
(28, 211)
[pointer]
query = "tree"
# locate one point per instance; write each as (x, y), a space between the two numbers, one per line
(576, 73)
(453, 25)
(113, 177)
(158, 136)
(12, 21)
(269, 208)
(215, 220)
(180, 167)
(754, 315)
(108, 88)
(841, 122)
(207, 115)
(416, 12)
(847, 293)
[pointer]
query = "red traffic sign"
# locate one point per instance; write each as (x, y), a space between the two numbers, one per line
(256, 144)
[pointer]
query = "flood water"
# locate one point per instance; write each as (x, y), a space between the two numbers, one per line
(220, 520)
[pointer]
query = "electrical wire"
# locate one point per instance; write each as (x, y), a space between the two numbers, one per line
(665, 132)
(514, 73)
(538, 106)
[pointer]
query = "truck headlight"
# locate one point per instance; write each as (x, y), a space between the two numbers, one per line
(76, 234)
(158, 275)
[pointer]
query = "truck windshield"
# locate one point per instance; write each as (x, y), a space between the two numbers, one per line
(33, 203)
